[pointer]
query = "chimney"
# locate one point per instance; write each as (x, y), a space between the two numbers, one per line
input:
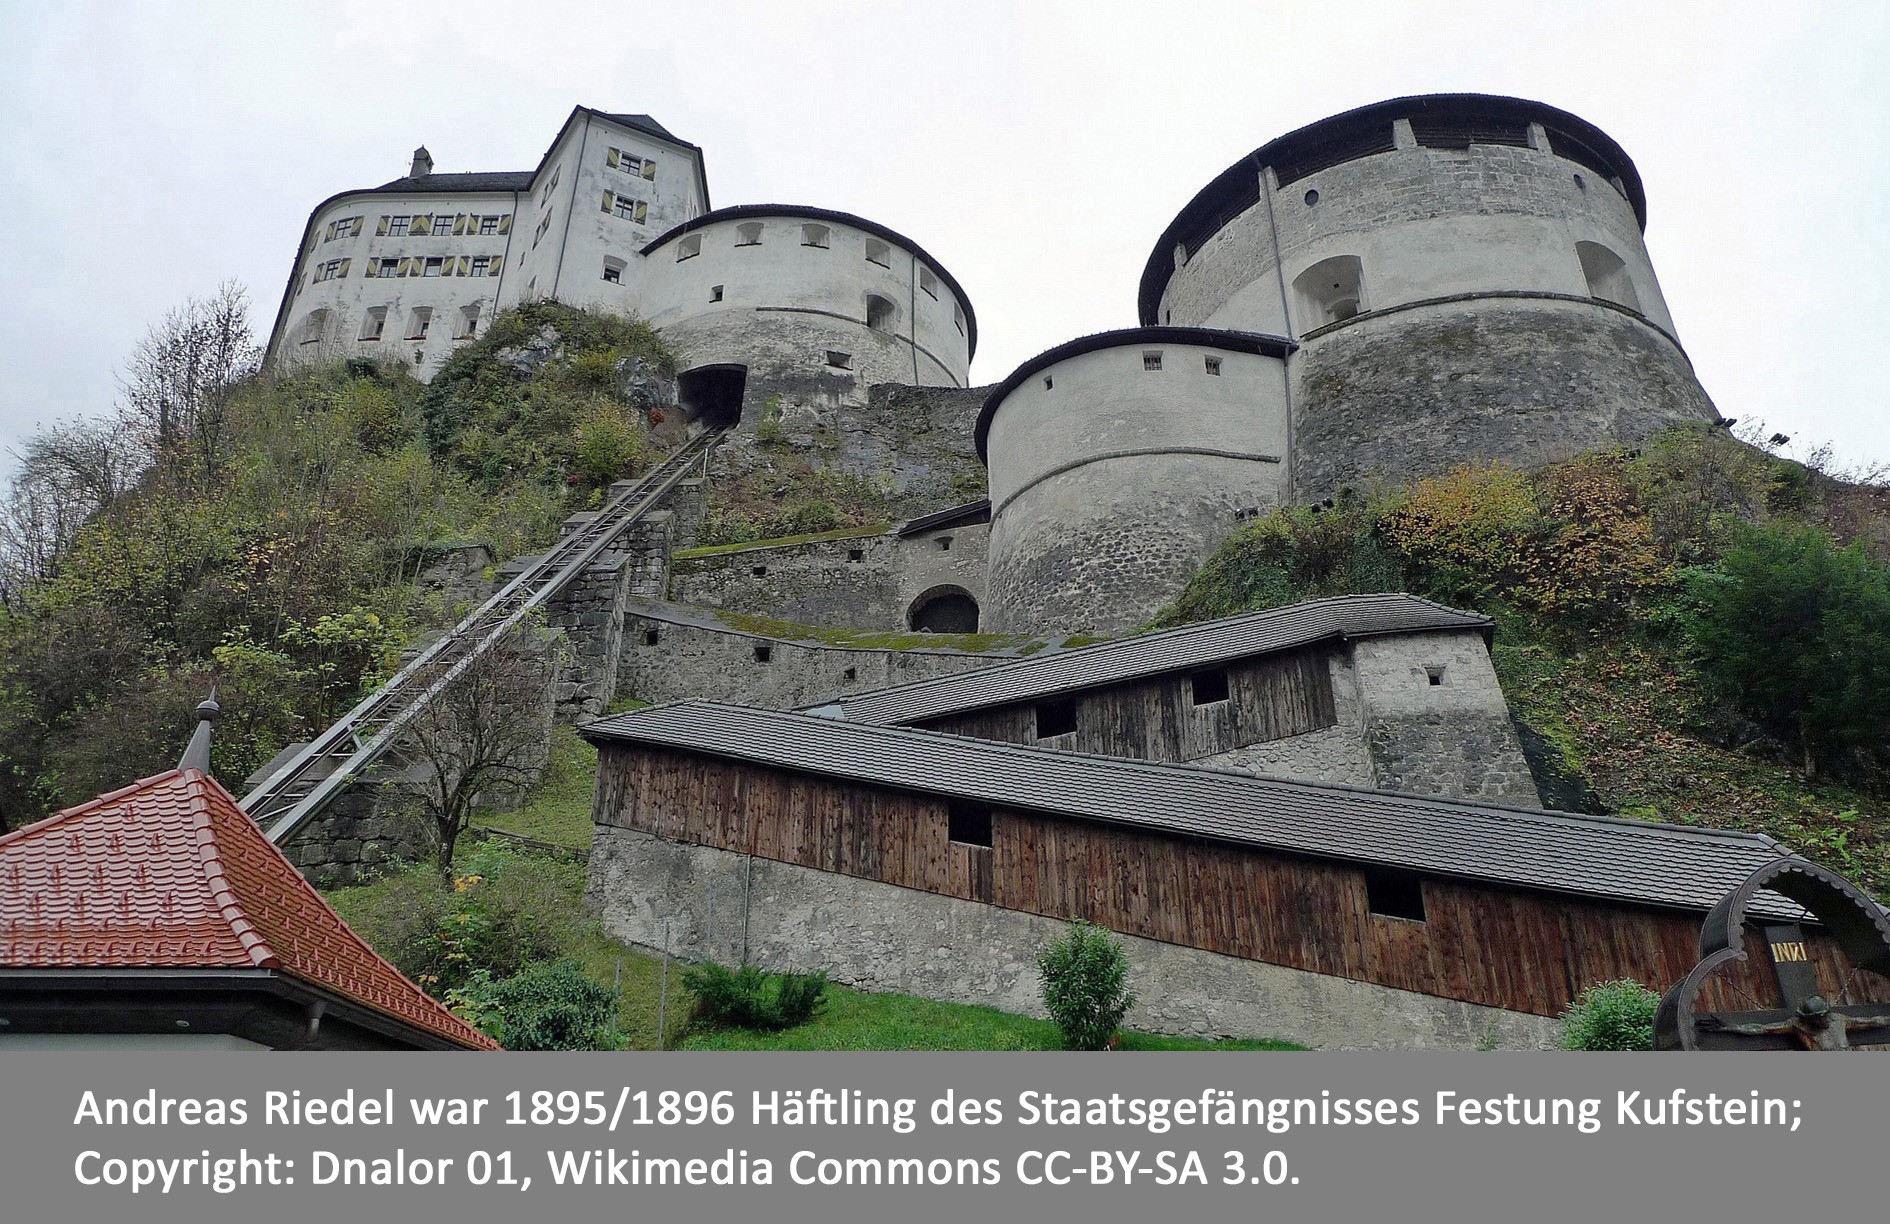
(422, 163)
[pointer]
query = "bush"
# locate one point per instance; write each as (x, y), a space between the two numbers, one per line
(1796, 632)
(1289, 555)
(507, 912)
(1084, 978)
(749, 998)
(1615, 1015)
(551, 1006)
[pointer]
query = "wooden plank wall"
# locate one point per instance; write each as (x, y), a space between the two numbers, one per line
(1529, 952)
(1156, 719)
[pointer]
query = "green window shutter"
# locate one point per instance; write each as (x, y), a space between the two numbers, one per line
(358, 223)
(505, 224)
(611, 158)
(368, 269)
(343, 270)
(609, 199)
(380, 231)
(459, 225)
(643, 211)
(649, 169)
(465, 265)
(406, 261)
(497, 266)
(420, 226)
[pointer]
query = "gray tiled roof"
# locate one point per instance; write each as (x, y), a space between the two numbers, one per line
(1593, 856)
(951, 516)
(1192, 646)
(490, 180)
(642, 123)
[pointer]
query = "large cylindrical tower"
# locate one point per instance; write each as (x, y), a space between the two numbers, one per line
(802, 305)
(1465, 276)
(1117, 462)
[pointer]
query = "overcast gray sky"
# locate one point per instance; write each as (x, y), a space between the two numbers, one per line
(1036, 149)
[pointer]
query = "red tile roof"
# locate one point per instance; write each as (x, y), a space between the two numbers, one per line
(169, 873)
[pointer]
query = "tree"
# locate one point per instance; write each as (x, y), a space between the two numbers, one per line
(176, 388)
(483, 739)
(1796, 632)
(1085, 986)
(63, 475)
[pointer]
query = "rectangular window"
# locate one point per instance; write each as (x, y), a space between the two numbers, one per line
(398, 225)
(374, 323)
(968, 825)
(468, 323)
(878, 252)
(389, 267)
(1208, 687)
(328, 271)
(1056, 718)
(1213, 365)
(1151, 361)
(839, 360)
(344, 228)
(481, 265)
(1395, 894)
(814, 235)
(651, 637)
(418, 322)
(613, 272)
(763, 653)
(856, 554)
(631, 210)
(488, 225)
(689, 247)
(715, 293)
(434, 265)
(928, 282)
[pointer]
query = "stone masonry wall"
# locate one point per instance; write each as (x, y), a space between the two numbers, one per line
(1409, 393)
(732, 908)
(822, 582)
(694, 656)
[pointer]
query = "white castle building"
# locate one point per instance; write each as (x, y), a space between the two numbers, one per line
(616, 217)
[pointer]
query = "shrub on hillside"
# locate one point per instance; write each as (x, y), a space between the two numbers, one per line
(748, 997)
(506, 912)
(1616, 1015)
(1289, 555)
(550, 1006)
(1084, 977)
(1796, 632)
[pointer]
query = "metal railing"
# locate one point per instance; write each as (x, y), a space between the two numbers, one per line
(295, 793)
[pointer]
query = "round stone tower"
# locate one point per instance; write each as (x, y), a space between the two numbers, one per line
(1117, 462)
(782, 303)
(1464, 275)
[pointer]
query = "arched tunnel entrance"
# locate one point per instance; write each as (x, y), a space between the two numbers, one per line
(712, 394)
(944, 609)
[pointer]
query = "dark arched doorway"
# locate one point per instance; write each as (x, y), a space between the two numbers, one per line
(712, 394)
(944, 609)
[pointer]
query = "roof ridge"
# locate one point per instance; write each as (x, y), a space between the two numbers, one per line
(1238, 777)
(80, 809)
(222, 890)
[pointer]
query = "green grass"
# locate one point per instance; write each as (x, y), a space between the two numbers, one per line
(855, 1020)
(559, 810)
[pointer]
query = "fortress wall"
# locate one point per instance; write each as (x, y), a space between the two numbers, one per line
(1410, 393)
(1113, 483)
(822, 582)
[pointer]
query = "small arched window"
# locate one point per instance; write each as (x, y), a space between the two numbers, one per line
(688, 247)
(315, 326)
(881, 314)
(1607, 276)
(878, 252)
(748, 233)
(374, 323)
(928, 282)
(418, 322)
(613, 269)
(468, 323)
(1330, 291)
(815, 235)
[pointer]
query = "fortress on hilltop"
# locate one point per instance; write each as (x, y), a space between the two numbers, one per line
(1374, 296)
(938, 735)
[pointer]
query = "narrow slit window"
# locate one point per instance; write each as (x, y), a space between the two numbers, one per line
(944, 543)
(1435, 674)
(1208, 687)
(1395, 894)
(968, 825)
(715, 293)
(1214, 366)
(1048, 382)
(1151, 361)
(651, 637)
(1055, 718)
(761, 571)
